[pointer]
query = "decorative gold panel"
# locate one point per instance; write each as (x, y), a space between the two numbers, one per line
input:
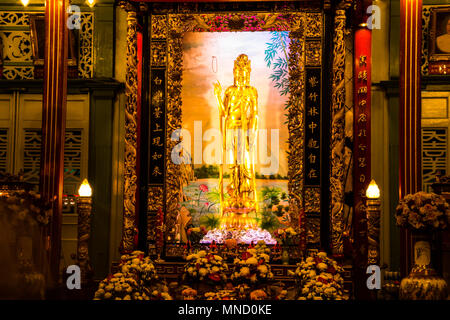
(314, 23)
(155, 198)
(159, 27)
(313, 53)
(312, 200)
(158, 55)
(313, 230)
(17, 45)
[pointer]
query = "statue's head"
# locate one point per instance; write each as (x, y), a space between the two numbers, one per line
(242, 70)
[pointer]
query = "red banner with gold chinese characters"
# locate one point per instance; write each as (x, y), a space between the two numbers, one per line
(361, 120)
(361, 146)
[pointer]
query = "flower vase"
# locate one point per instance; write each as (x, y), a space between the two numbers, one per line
(423, 282)
(285, 255)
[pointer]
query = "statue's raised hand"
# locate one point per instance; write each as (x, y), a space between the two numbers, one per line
(218, 90)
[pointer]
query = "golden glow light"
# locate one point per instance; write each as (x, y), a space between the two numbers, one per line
(85, 189)
(373, 192)
(25, 2)
(90, 3)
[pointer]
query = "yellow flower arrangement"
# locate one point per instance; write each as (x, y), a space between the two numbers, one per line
(285, 236)
(320, 278)
(135, 281)
(205, 266)
(119, 287)
(253, 266)
(143, 267)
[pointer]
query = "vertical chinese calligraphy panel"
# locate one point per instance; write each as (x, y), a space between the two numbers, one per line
(157, 127)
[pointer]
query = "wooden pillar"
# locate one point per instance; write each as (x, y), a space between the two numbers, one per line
(131, 130)
(362, 71)
(54, 122)
(337, 131)
(410, 178)
(361, 153)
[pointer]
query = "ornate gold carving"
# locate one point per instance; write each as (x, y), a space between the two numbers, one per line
(13, 72)
(152, 220)
(158, 54)
(130, 178)
(180, 23)
(337, 132)
(313, 230)
(155, 198)
(84, 210)
(312, 200)
(373, 231)
(173, 112)
(313, 53)
(159, 27)
(296, 118)
(314, 23)
(86, 46)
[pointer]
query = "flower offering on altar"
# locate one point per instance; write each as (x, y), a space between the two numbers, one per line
(196, 234)
(285, 236)
(320, 278)
(120, 287)
(422, 211)
(240, 235)
(160, 293)
(136, 281)
(205, 266)
(140, 266)
(253, 265)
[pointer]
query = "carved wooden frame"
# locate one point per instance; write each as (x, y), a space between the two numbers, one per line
(172, 27)
(166, 33)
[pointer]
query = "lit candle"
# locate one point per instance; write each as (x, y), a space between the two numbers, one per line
(85, 189)
(373, 192)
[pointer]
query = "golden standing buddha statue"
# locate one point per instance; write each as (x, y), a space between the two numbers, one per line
(238, 125)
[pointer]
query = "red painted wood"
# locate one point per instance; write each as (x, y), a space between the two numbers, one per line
(54, 122)
(410, 177)
(361, 152)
